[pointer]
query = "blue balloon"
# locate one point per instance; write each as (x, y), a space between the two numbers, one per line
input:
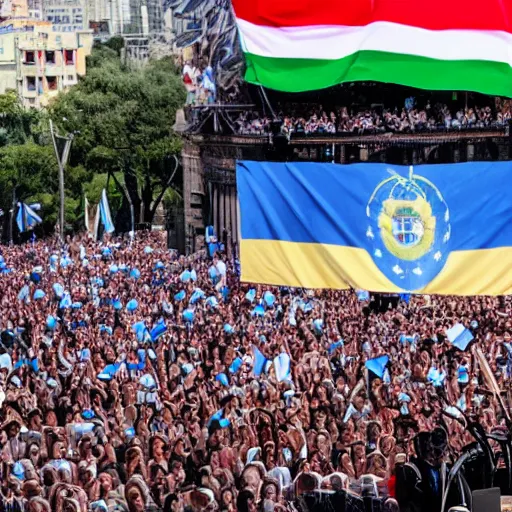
(180, 296)
(228, 329)
(212, 302)
(140, 330)
(18, 471)
(85, 355)
(65, 301)
(51, 322)
(135, 273)
(269, 299)
(188, 315)
(197, 295)
(39, 294)
(88, 414)
(259, 310)
(132, 305)
(148, 250)
(185, 276)
(223, 379)
(58, 289)
(251, 295)
(107, 329)
(224, 423)
(159, 265)
(235, 365)
(114, 269)
(117, 304)
(212, 272)
(188, 368)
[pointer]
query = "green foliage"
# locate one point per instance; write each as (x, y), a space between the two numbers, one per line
(124, 118)
(94, 188)
(115, 43)
(17, 125)
(99, 56)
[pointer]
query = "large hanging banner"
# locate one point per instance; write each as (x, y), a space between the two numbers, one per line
(444, 229)
(451, 45)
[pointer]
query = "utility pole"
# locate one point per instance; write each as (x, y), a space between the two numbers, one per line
(62, 161)
(13, 211)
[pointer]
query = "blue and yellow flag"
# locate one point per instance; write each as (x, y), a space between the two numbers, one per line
(443, 229)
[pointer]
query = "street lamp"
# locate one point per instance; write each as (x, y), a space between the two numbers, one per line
(62, 161)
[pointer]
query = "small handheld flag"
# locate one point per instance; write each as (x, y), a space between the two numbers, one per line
(459, 336)
(26, 218)
(377, 365)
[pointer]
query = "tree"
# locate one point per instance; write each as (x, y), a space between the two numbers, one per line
(17, 125)
(123, 119)
(30, 170)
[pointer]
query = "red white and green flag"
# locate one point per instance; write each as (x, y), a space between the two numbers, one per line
(302, 45)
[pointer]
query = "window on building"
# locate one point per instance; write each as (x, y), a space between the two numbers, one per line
(49, 57)
(71, 78)
(31, 101)
(31, 83)
(69, 57)
(52, 83)
(29, 57)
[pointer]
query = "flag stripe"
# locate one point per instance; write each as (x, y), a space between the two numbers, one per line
(428, 14)
(275, 262)
(336, 42)
(298, 75)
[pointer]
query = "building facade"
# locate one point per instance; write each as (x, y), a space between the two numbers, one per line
(39, 62)
(11, 9)
(66, 17)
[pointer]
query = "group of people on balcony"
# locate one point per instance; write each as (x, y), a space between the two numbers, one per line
(378, 119)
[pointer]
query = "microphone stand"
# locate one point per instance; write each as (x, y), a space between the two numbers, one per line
(454, 472)
(480, 436)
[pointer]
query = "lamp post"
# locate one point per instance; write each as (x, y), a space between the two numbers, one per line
(62, 161)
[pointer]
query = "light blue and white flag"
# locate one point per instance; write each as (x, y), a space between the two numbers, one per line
(260, 361)
(26, 218)
(106, 218)
(459, 336)
(282, 367)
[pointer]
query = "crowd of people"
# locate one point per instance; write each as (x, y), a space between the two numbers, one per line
(134, 379)
(377, 119)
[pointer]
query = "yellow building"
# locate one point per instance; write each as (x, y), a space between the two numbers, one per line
(38, 62)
